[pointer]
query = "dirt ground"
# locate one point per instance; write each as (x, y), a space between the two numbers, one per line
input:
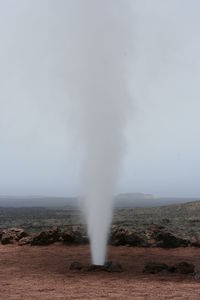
(43, 273)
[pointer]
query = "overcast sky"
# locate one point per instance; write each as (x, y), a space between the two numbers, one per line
(40, 148)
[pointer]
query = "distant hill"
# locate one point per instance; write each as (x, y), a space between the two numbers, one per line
(148, 200)
(37, 201)
(121, 200)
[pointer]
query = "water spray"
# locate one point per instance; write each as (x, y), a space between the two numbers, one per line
(101, 55)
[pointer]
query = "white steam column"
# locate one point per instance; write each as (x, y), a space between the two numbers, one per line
(101, 54)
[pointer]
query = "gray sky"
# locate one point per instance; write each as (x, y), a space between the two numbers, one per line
(40, 148)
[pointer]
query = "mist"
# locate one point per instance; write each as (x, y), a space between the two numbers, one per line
(98, 83)
(41, 152)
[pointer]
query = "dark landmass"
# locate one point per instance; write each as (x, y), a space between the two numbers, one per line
(127, 200)
(184, 219)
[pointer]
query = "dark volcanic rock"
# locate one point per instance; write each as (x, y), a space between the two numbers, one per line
(182, 268)
(74, 235)
(96, 268)
(155, 236)
(46, 237)
(25, 240)
(195, 240)
(155, 267)
(75, 265)
(125, 236)
(110, 266)
(12, 235)
(166, 239)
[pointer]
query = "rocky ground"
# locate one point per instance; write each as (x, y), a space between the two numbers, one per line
(36, 273)
(153, 236)
(155, 254)
(184, 219)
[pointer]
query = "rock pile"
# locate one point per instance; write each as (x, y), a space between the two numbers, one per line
(181, 268)
(46, 237)
(109, 266)
(74, 235)
(155, 267)
(166, 239)
(125, 236)
(154, 236)
(12, 235)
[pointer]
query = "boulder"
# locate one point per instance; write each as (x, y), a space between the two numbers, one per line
(155, 267)
(74, 235)
(109, 266)
(165, 239)
(93, 268)
(46, 237)
(195, 240)
(113, 267)
(75, 265)
(25, 240)
(12, 235)
(125, 236)
(182, 268)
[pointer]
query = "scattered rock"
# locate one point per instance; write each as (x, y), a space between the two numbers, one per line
(12, 235)
(112, 267)
(25, 240)
(165, 238)
(75, 265)
(96, 268)
(109, 266)
(125, 236)
(182, 268)
(46, 237)
(74, 235)
(195, 240)
(154, 236)
(196, 275)
(155, 267)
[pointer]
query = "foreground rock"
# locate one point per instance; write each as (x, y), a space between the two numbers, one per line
(195, 240)
(46, 237)
(180, 268)
(162, 237)
(154, 236)
(74, 235)
(75, 265)
(25, 240)
(12, 235)
(110, 266)
(125, 236)
(155, 267)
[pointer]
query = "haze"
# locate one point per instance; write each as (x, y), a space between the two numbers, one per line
(40, 148)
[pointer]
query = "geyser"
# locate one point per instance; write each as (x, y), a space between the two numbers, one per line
(102, 46)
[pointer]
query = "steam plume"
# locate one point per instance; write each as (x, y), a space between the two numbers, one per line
(99, 85)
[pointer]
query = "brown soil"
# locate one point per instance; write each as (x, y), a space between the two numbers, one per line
(43, 273)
